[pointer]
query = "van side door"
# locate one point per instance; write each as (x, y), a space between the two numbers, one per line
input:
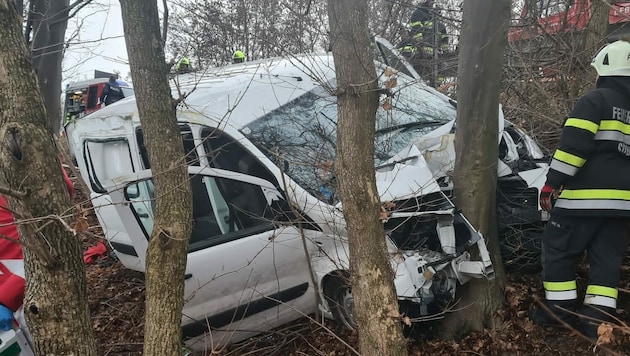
(247, 268)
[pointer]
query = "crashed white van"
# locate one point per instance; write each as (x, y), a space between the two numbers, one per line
(269, 242)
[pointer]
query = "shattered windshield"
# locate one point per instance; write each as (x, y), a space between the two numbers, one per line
(300, 136)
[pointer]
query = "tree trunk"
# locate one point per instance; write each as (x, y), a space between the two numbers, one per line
(50, 20)
(56, 299)
(594, 36)
(483, 40)
(376, 307)
(168, 244)
(597, 27)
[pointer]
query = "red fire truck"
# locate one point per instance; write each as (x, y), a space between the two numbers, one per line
(540, 17)
(82, 98)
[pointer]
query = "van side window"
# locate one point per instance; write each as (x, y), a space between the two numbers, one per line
(223, 152)
(223, 209)
(142, 197)
(106, 159)
(189, 147)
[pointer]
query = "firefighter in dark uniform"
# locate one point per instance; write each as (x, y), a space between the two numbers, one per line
(588, 194)
(112, 92)
(424, 25)
(406, 46)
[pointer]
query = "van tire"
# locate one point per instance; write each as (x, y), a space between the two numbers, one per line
(339, 297)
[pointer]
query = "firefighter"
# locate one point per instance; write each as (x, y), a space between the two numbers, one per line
(424, 25)
(406, 46)
(588, 194)
(429, 37)
(238, 57)
(12, 268)
(112, 92)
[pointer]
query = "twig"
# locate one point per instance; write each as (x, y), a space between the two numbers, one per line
(11, 192)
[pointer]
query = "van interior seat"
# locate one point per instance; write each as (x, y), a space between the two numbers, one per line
(246, 200)
(204, 221)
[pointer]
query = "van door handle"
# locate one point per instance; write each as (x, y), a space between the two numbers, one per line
(187, 276)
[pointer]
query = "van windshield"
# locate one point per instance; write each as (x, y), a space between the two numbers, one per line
(300, 136)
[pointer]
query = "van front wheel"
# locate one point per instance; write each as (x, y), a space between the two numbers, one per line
(339, 297)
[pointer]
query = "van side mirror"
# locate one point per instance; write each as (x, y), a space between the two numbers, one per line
(132, 191)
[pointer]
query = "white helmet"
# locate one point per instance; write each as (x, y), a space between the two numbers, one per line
(613, 60)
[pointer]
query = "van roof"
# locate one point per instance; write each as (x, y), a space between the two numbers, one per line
(237, 94)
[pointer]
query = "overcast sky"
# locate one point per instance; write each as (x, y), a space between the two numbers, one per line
(96, 42)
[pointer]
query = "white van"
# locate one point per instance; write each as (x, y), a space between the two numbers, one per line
(269, 241)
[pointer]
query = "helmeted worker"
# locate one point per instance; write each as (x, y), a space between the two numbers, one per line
(182, 66)
(12, 268)
(406, 46)
(588, 194)
(112, 92)
(423, 24)
(238, 57)
(428, 35)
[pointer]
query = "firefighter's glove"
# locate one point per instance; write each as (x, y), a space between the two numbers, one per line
(548, 196)
(6, 318)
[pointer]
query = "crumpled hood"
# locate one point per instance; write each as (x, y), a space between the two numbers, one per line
(405, 176)
(412, 171)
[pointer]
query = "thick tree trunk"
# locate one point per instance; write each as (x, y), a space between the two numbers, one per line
(594, 36)
(166, 255)
(375, 303)
(597, 27)
(50, 20)
(56, 302)
(483, 40)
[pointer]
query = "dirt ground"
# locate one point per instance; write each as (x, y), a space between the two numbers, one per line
(116, 300)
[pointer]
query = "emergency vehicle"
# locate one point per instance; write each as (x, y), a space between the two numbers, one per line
(552, 17)
(551, 32)
(82, 98)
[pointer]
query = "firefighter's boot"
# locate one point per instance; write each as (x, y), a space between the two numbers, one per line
(559, 312)
(591, 317)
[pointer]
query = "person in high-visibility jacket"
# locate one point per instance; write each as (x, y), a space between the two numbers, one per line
(588, 194)
(422, 27)
(406, 46)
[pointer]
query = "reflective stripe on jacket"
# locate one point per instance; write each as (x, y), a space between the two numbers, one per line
(592, 162)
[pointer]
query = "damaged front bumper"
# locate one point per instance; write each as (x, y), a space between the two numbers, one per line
(430, 262)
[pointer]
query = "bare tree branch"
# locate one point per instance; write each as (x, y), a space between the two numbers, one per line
(75, 4)
(11, 192)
